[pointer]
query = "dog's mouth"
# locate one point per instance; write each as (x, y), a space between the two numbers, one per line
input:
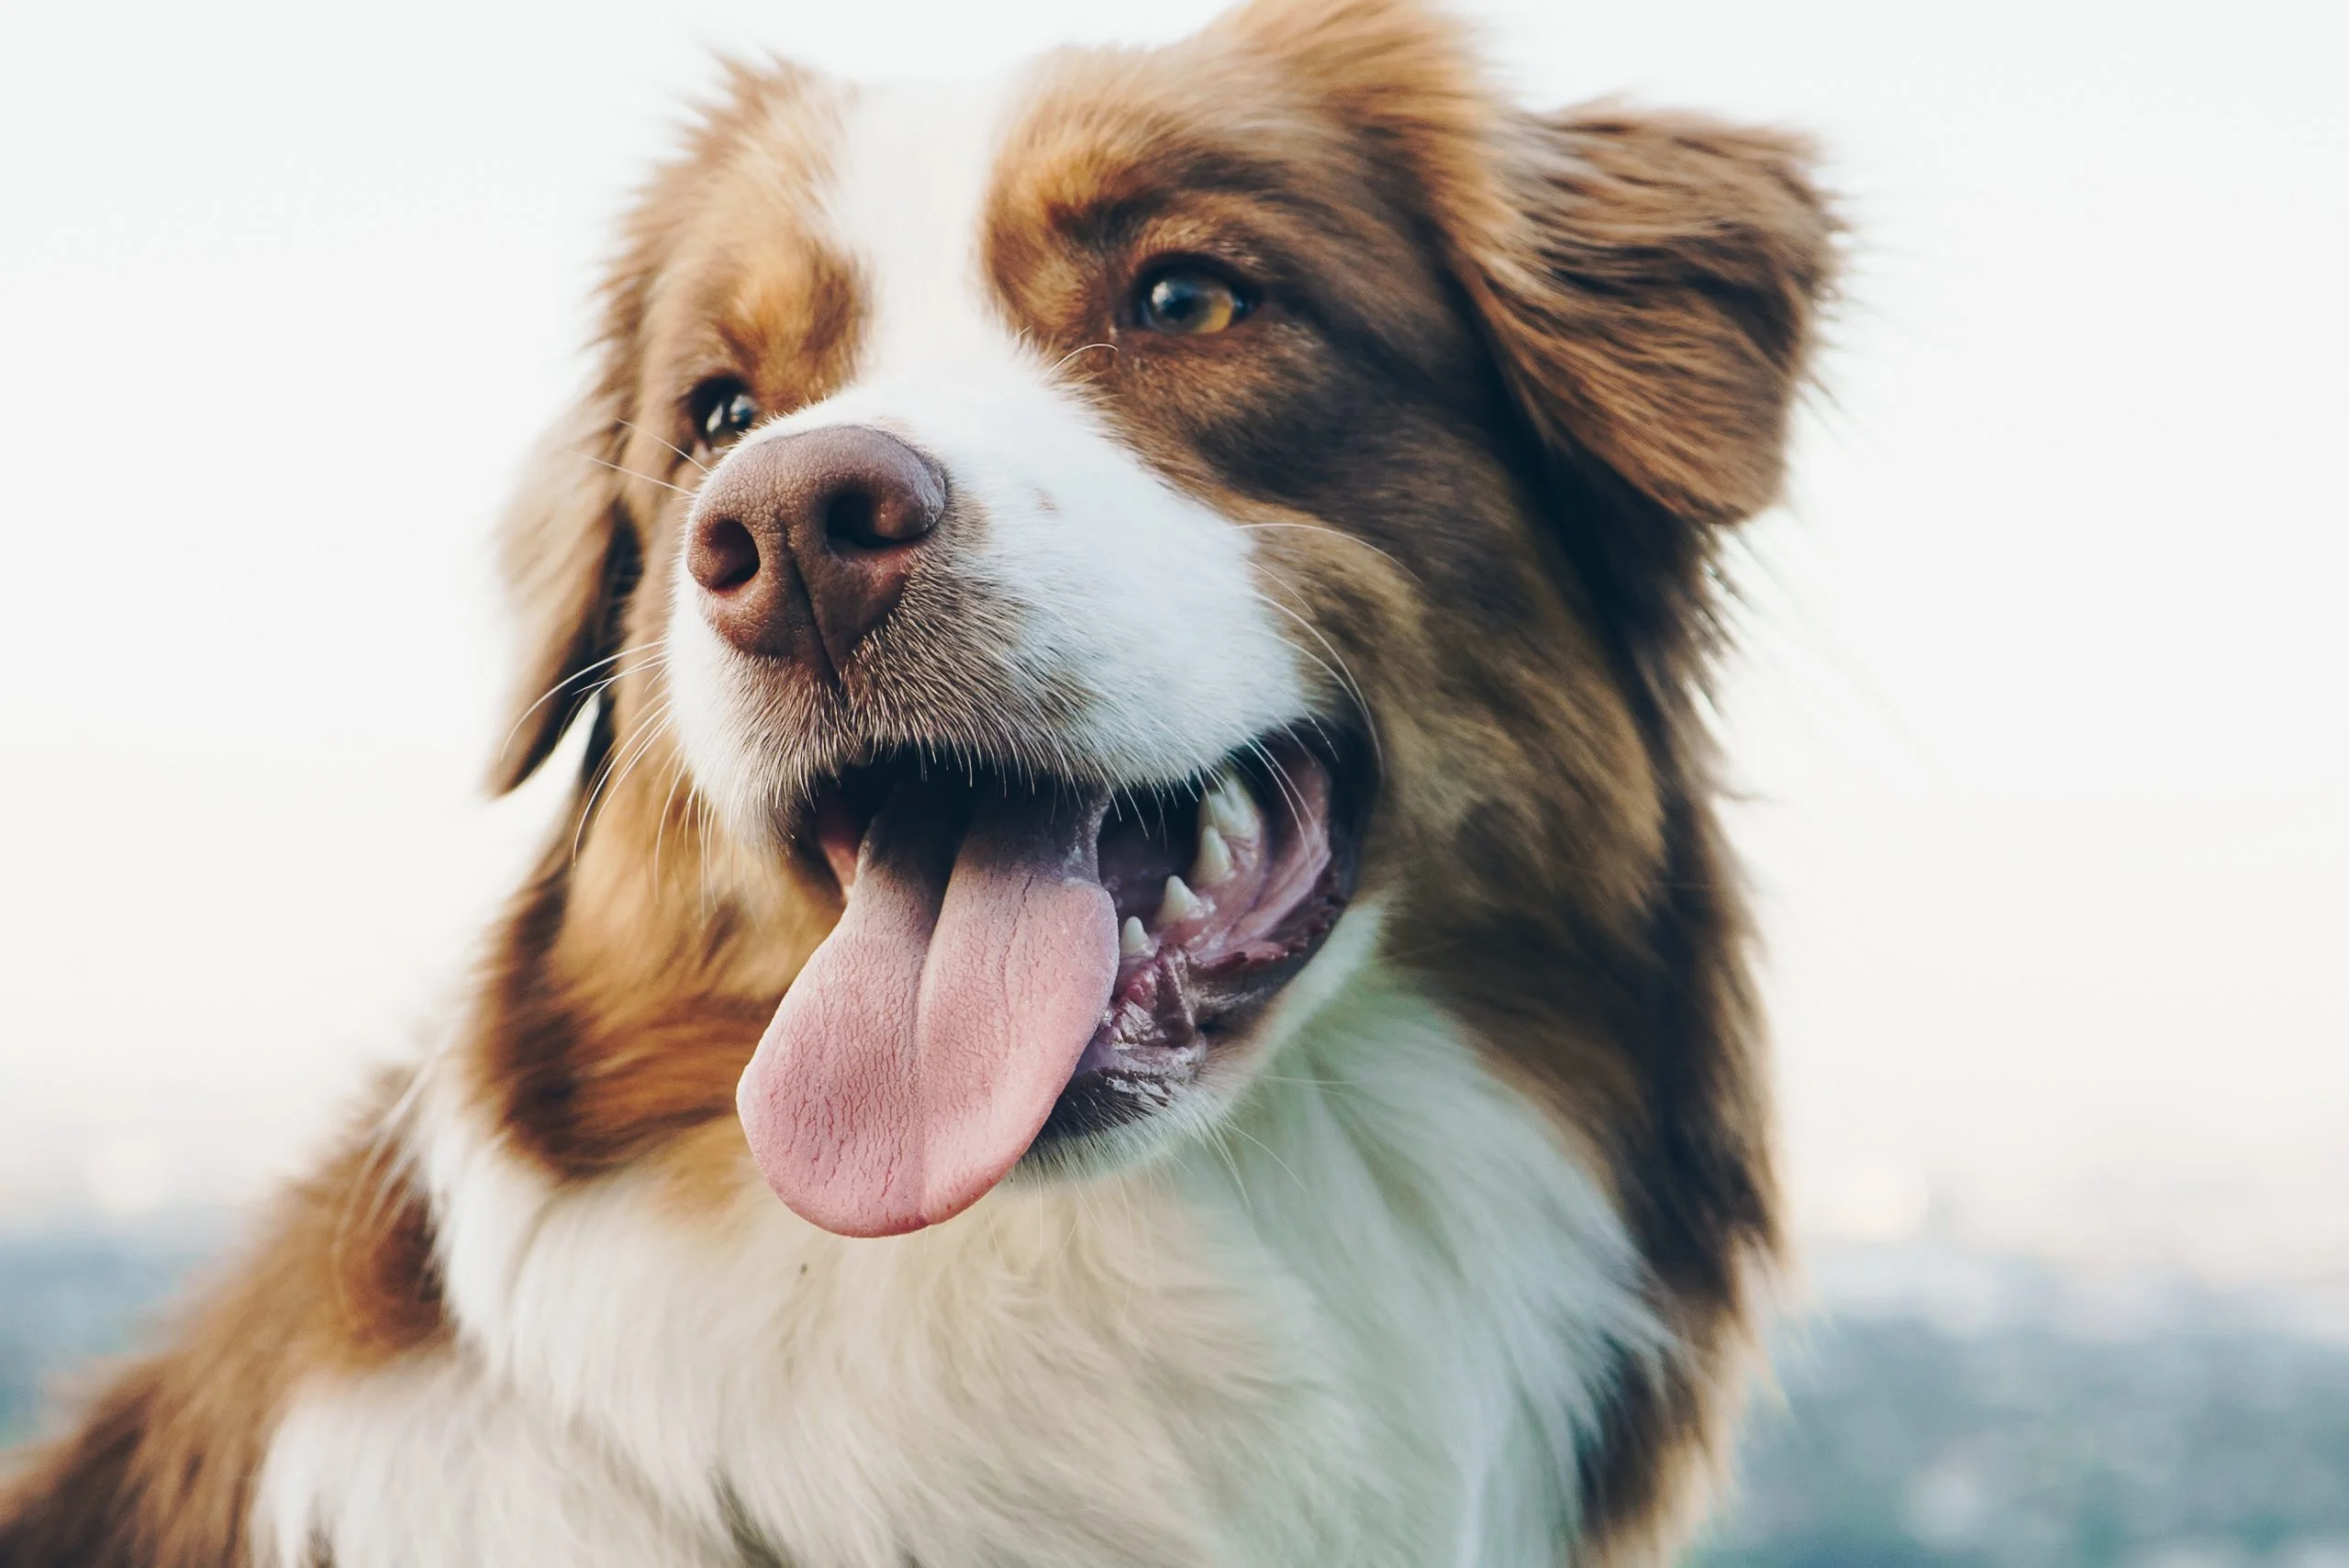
(1021, 964)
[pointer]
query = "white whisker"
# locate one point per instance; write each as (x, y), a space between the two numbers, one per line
(656, 651)
(649, 479)
(664, 440)
(1081, 349)
(1343, 673)
(1343, 537)
(615, 767)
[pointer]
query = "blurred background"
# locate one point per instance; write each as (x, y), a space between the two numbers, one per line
(2039, 720)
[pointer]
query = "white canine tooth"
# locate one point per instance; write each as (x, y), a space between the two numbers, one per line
(1213, 862)
(1230, 809)
(1132, 940)
(1178, 905)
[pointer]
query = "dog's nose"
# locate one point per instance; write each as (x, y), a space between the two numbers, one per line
(802, 543)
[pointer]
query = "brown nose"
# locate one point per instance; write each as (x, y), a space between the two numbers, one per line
(802, 543)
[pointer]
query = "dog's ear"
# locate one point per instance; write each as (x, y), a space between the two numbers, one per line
(1648, 283)
(570, 556)
(572, 550)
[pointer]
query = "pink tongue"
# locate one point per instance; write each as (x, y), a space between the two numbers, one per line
(918, 1054)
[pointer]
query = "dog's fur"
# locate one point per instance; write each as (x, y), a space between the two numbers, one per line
(1458, 1262)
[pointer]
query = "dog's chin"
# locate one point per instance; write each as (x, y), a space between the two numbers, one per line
(1225, 887)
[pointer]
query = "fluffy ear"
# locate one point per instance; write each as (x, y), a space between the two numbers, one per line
(570, 557)
(1650, 284)
(1650, 281)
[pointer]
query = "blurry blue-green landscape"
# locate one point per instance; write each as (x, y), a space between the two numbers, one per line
(1939, 1408)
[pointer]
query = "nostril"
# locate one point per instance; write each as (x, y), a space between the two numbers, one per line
(724, 555)
(851, 517)
(882, 512)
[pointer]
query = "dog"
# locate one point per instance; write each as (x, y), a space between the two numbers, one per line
(1142, 968)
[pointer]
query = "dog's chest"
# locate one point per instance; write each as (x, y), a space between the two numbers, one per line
(1368, 1324)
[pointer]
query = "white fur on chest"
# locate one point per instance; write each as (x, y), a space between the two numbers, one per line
(1368, 1324)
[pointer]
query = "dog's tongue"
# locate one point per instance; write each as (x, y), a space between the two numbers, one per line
(919, 1051)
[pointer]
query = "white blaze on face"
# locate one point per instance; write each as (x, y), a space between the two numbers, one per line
(907, 205)
(1127, 603)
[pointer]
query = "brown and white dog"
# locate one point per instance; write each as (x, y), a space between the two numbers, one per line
(1138, 631)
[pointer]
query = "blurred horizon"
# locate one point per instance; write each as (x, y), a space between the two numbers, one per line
(2036, 727)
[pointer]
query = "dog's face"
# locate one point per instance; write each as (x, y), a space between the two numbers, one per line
(1135, 538)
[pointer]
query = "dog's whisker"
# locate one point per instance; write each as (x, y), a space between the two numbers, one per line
(1290, 794)
(655, 654)
(632, 474)
(1231, 1163)
(656, 728)
(615, 768)
(1081, 349)
(1343, 673)
(676, 776)
(628, 425)
(1343, 537)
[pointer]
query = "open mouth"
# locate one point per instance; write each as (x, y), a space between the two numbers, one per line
(1021, 964)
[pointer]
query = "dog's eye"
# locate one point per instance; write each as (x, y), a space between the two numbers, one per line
(723, 409)
(1189, 300)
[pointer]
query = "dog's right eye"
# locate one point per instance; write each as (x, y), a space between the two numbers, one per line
(723, 409)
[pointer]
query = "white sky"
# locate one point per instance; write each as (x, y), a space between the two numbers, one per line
(2041, 719)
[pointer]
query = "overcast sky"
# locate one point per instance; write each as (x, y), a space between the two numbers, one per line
(2041, 721)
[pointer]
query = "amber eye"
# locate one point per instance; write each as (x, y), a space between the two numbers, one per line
(723, 409)
(1189, 300)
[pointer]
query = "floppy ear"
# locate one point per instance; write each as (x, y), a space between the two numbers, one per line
(1650, 284)
(570, 557)
(1650, 281)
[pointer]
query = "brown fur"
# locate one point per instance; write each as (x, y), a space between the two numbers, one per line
(1514, 375)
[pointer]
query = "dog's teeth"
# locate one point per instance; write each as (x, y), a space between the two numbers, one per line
(1178, 905)
(1213, 862)
(1229, 810)
(1132, 940)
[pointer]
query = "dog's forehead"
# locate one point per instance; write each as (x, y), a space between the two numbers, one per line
(919, 185)
(905, 201)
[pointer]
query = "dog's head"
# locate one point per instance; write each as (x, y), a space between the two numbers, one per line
(1115, 548)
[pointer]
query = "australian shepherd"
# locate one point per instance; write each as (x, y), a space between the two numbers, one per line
(1142, 969)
